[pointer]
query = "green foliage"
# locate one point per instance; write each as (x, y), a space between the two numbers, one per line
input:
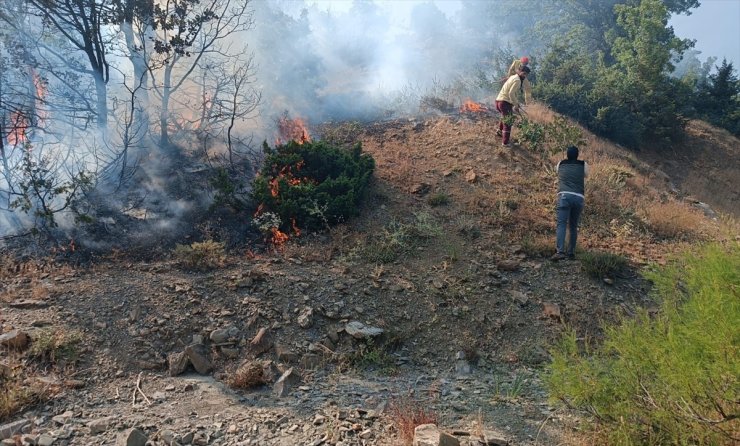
(387, 245)
(561, 134)
(602, 264)
(531, 133)
(438, 199)
(43, 192)
(58, 347)
(610, 73)
(298, 180)
(375, 356)
(671, 378)
(229, 189)
(200, 255)
(718, 100)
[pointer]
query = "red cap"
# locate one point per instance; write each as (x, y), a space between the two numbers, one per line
(525, 60)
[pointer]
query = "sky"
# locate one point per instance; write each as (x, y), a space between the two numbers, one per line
(715, 25)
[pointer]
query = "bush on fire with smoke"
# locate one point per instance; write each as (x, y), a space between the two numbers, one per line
(314, 184)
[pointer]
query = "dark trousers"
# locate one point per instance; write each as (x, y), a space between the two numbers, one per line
(569, 210)
(506, 109)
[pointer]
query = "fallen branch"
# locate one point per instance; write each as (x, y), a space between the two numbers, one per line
(138, 388)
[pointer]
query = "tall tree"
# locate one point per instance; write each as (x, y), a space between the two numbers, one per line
(186, 32)
(81, 22)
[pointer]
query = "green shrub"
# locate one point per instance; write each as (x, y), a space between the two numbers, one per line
(299, 179)
(531, 133)
(200, 255)
(671, 378)
(602, 264)
(229, 189)
(438, 199)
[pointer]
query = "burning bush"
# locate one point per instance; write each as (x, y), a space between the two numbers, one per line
(312, 184)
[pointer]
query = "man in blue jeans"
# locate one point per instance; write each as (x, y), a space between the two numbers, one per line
(572, 173)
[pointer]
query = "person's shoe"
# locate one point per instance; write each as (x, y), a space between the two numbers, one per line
(499, 133)
(558, 256)
(506, 144)
(571, 256)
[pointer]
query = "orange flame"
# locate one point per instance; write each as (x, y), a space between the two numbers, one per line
(296, 230)
(278, 237)
(292, 129)
(472, 107)
(17, 130)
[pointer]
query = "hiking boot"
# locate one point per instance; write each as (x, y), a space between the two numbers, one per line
(558, 256)
(571, 256)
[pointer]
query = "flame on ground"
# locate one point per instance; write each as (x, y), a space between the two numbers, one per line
(472, 107)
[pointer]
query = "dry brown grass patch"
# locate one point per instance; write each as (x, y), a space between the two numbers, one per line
(672, 220)
(247, 376)
(406, 414)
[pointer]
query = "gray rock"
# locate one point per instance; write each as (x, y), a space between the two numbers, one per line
(131, 437)
(494, 438)
(462, 367)
(220, 336)
(45, 440)
(286, 383)
(305, 319)
(178, 362)
(100, 425)
(198, 355)
(431, 435)
(10, 429)
(15, 339)
(358, 330)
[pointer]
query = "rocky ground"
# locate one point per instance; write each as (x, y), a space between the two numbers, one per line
(454, 330)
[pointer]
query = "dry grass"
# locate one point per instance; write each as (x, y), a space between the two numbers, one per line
(406, 415)
(247, 376)
(18, 388)
(57, 348)
(200, 255)
(672, 220)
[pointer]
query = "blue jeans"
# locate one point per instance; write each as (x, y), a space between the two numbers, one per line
(568, 211)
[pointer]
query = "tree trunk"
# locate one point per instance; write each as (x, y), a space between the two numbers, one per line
(102, 101)
(164, 114)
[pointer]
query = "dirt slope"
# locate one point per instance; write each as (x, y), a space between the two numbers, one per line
(705, 167)
(465, 295)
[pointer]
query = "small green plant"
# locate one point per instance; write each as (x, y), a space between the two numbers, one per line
(602, 264)
(438, 199)
(425, 226)
(388, 245)
(669, 377)
(373, 356)
(510, 390)
(200, 255)
(56, 347)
